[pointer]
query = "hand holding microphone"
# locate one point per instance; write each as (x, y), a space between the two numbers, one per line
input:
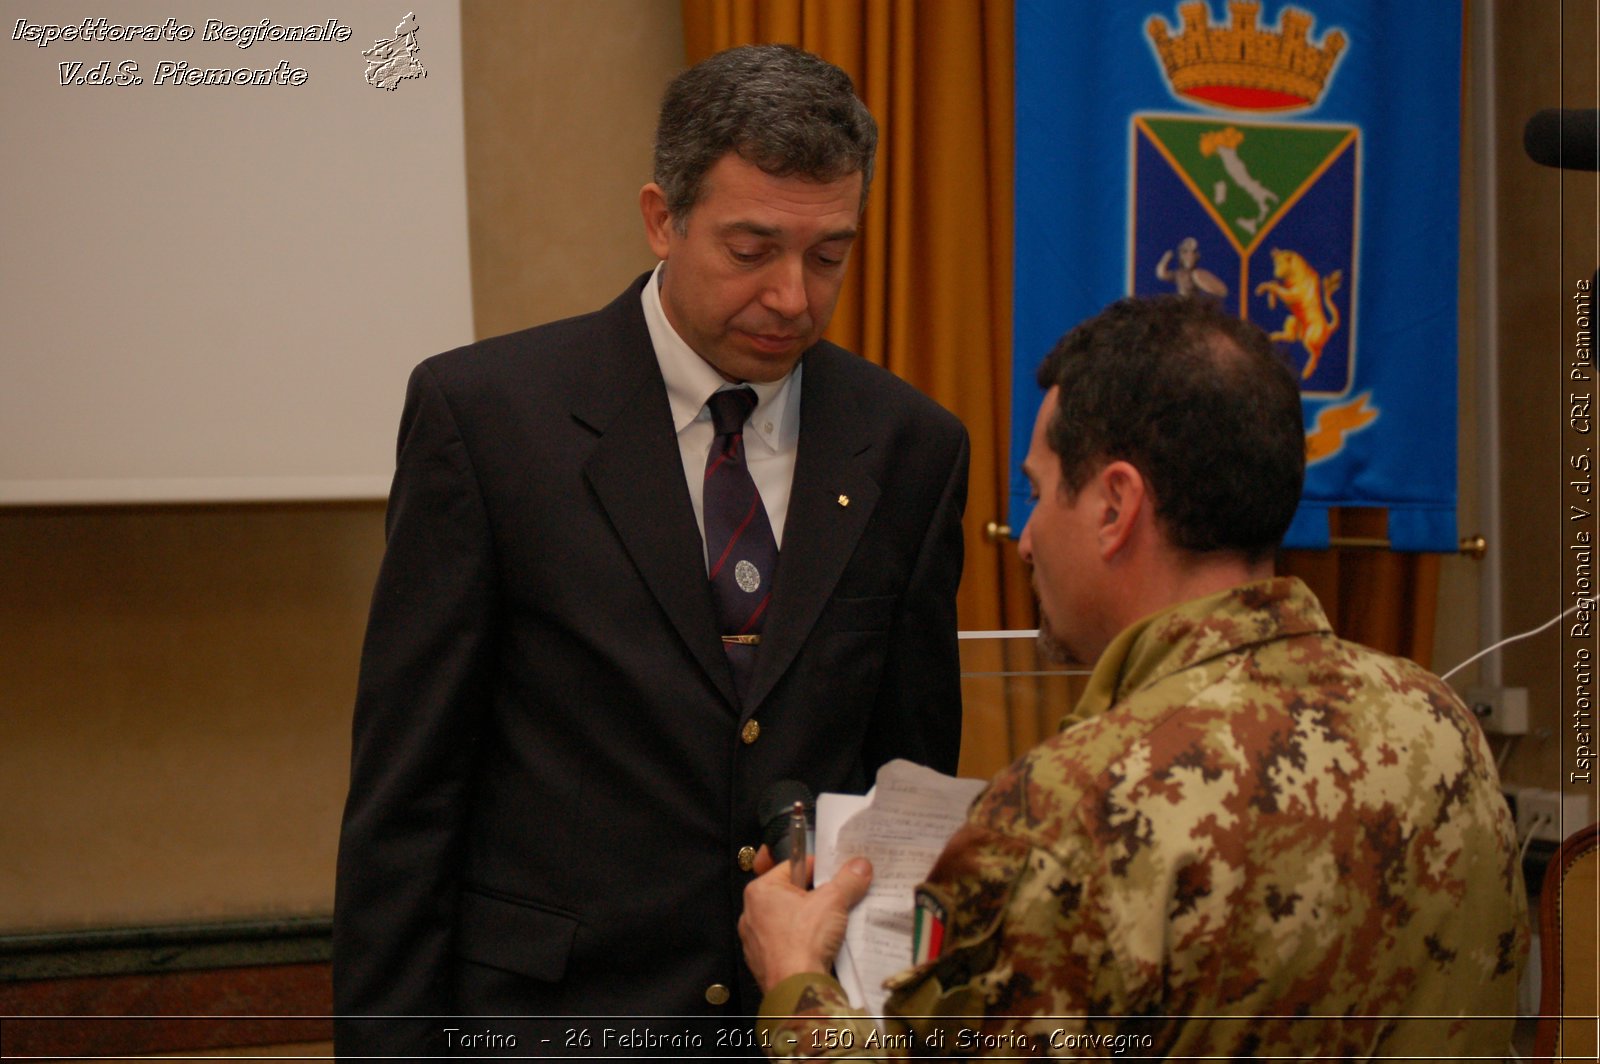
(785, 928)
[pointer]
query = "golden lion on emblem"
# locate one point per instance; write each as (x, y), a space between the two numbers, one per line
(1306, 293)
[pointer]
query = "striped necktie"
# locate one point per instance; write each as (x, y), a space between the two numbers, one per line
(742, 551)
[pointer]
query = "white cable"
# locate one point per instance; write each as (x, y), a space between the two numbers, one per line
(1534, 824)
(1521, 635)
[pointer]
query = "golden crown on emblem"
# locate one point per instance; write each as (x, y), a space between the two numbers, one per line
(1242, 66)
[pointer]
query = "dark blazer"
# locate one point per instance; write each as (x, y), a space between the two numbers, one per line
(552, 773)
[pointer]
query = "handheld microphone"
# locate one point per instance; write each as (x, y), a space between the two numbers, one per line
(773, 813)
(1563, 138)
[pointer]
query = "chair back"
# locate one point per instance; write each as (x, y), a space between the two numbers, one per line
(1569, 972)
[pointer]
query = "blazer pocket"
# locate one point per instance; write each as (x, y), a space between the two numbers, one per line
(514, 936)
(871, 614)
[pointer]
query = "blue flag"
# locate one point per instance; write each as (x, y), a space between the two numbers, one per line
(1298, 163)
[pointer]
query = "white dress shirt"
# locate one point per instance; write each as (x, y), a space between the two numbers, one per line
(771, 435)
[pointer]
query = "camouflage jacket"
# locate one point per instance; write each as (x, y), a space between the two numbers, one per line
(1251, 839)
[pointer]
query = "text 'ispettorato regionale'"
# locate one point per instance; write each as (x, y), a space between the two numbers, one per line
(177, 72)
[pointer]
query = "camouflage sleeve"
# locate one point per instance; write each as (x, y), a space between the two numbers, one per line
(1028, 960)
(808, 1015)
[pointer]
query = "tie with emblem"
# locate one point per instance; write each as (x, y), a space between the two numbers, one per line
(742, 552)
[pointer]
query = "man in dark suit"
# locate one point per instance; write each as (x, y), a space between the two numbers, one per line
(563, 727)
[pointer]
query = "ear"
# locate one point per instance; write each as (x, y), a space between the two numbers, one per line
(1124, 500)
(657, 219)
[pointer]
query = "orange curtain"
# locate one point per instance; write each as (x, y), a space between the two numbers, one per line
(1377, 597)
(929, 292)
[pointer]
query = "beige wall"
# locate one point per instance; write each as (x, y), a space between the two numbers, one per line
(175, 684)
(561, 112)
(177, 687)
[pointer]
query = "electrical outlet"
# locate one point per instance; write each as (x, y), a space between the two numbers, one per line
(1560, 813)
(1501, 710)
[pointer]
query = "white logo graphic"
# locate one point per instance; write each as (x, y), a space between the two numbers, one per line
(747, 576)
(391, 62)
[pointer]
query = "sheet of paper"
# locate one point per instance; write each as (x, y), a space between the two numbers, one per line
(832, 812)
(901, 826)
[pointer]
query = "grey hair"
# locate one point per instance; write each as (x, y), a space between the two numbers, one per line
(780, 108)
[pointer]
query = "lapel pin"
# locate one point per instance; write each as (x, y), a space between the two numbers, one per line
(844, 500)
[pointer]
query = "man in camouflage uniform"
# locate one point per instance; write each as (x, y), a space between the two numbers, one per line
(1251, 838)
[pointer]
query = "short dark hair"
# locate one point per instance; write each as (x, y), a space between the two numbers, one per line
(1199, 402)
(780, 108)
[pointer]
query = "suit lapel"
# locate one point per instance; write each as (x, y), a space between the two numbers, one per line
(637, 474)
(830, 503)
